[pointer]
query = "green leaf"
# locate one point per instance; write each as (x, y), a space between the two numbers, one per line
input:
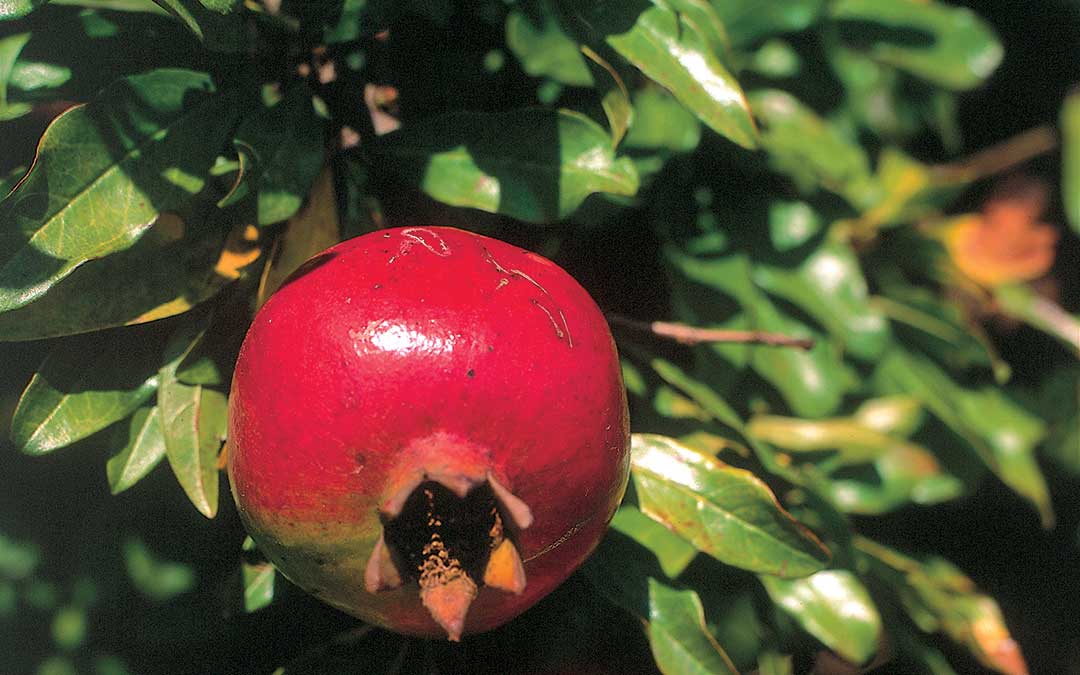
(662, 123)
(1022, 302)
(218, 31)
(32, 76)
(544, 49)
(938, 596)
(792, 224)
(1070, 159)
(143, 449)
(829, 286)
(725, 512)
(193, 419)
(14, 9)
(9, 51)
(680, 642)
(82, 387)
(675, 45)
(220, 6)
(145, 145)
(614, 97)
(898, 416)
(949, 46)
(532, 164)
(159, 580)
(672, 551)
(167, 272)
(281, 152)
(1002, 434)
(258, 585)
(855, 442)
(810, 150)
(834, 607)
(748, 21)
(904, 474)
(812, 381)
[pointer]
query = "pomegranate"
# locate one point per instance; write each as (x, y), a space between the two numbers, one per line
(428, 429)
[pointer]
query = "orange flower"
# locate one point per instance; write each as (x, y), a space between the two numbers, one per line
(1005, 243)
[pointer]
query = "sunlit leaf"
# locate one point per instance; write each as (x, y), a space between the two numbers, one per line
(680, 642)
(676, 46)
(193, 422)
(9, 51)
(13, 9)
(532, 164)
(143, 449)
(258, 585)
(949, 46)
(725, 512)
(672, 551)
(898, 416)
(145, 145)
(829, 286)
(545, 50)
(834, 607)
(82, 387)
(809, 149)
(168, 271)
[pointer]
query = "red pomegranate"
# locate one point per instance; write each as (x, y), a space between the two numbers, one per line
(428, 429)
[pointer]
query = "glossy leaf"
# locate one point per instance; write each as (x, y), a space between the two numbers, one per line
(532, 164)
(10, 47)
(220, 6)
(14, 9)
(281, 152)
(143, 449)
(834, 607)
(829, 286)
(854, 442)
(81, 388)
(672, 551)
(146, 144)
(1070, 159)
(193, 420)
(747, 21)
(168, 271)
(725, 512)
(949, 46)
(680, 641)
(810, 150)
(675, 46)
(614, 97)
(545, 50)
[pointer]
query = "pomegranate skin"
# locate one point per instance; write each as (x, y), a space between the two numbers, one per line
(415, 351)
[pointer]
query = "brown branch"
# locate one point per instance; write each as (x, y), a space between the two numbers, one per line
(691, 335)
(1005, 155)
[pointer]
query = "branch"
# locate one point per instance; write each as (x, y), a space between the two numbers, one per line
(691, 335)
(1003, 156)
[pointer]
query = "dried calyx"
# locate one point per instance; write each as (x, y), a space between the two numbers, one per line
(450, 541)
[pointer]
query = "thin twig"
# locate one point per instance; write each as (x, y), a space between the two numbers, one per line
(1004, 155)
(691, 335)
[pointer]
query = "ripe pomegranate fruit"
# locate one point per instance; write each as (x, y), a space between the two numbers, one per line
(428, 429)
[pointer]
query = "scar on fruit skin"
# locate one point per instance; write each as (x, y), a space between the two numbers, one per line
(415, 235)
(574, 529)
(560, 331)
